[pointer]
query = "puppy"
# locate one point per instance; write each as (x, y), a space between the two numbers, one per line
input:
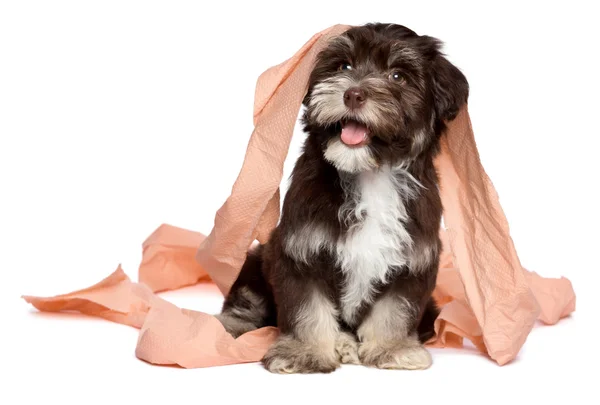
(348, 273)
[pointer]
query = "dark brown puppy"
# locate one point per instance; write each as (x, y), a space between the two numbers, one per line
(348, 273)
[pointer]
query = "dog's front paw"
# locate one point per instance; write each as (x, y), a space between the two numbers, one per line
(346, 348)
(400, 356)
(289, 356)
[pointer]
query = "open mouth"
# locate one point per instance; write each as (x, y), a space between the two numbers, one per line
(354, 133)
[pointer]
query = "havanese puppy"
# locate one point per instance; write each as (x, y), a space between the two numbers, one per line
(348, 274)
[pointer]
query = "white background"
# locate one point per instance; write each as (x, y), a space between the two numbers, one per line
(118, 116)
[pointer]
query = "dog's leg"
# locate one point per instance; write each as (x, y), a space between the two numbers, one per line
(401, 320)
(388, 336)
(244, 311)
(309, 331)
(249, 304)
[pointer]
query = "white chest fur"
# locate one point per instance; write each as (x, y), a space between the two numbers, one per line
(378, 240)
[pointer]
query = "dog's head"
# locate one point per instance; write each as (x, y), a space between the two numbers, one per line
(380, 93)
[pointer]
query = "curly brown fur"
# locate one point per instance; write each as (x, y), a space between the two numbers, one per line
(348, 273)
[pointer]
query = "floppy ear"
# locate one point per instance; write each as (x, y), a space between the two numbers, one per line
(450, 88)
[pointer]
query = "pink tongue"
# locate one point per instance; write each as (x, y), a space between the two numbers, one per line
(353, 133)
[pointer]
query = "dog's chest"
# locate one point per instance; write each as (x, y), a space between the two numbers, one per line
(377, 241)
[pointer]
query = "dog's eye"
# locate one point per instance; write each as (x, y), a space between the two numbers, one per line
(396, 76)
(345, 66)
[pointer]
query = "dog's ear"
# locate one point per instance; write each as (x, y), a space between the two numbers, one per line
(450, 88)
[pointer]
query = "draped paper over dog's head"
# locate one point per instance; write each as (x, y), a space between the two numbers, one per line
(486, 296)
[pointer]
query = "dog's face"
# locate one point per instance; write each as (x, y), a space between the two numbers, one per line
(380, 93)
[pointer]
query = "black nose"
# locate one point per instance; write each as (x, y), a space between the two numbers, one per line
(354, 98)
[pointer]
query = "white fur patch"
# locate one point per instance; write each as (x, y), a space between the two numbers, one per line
(317, 323)
(379, 240)
(347, 159)
(388, 321)
(307, 242)
(419, 139)
(327, 99)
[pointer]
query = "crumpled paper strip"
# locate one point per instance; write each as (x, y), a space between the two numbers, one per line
(168, 335)
(174, 336)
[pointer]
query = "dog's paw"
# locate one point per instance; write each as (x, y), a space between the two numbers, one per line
(235, 326)
(299, 364)
(401, 356)
(346, 348)
(290, 356)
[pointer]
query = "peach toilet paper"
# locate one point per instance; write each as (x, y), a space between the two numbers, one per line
(486, 295)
